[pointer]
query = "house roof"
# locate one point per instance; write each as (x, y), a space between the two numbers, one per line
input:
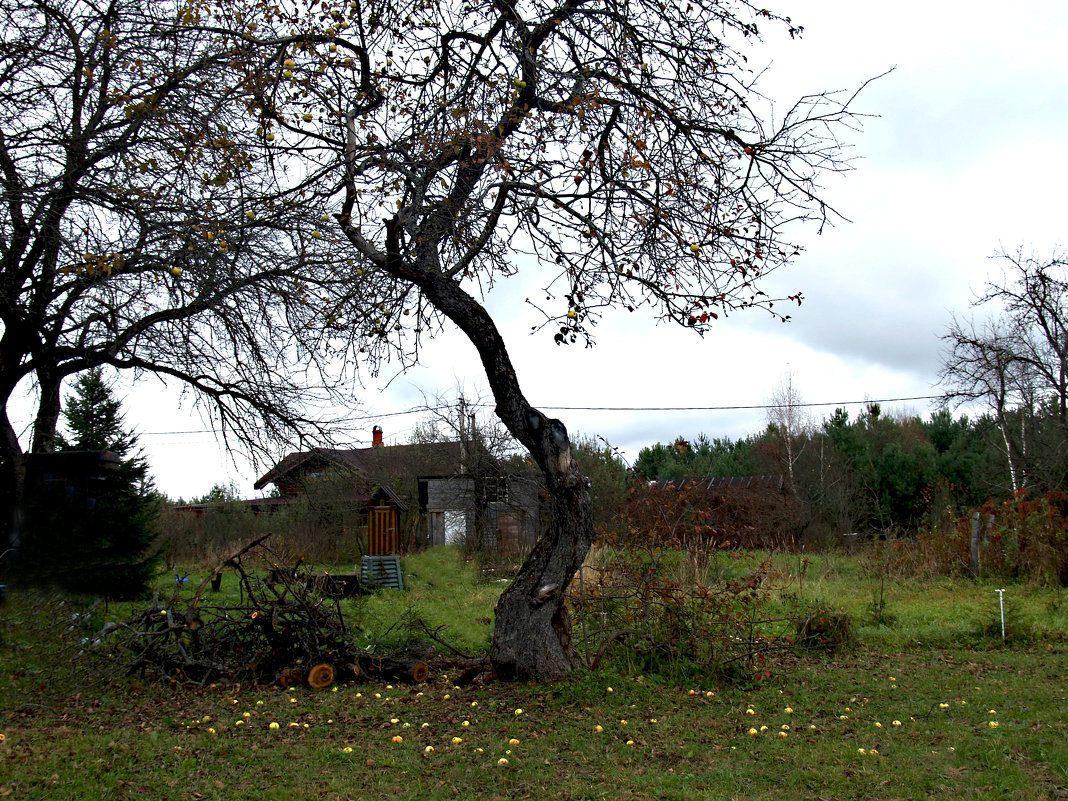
(430, 459)
(255, 504)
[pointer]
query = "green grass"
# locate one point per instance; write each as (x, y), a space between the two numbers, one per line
(901, 611)
(139, 742)
(71, 734)
(443, 592)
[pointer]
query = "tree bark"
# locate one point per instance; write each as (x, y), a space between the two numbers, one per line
(48, 411)
(532, 629)
(12, 484)
(1004, 429)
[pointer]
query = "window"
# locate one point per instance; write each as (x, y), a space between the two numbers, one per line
(496, 489)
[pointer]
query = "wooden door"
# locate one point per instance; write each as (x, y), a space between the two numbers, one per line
(507, 534)
(382, 531)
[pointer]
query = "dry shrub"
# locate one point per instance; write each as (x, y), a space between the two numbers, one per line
(825, 629)
(1027, 540)
(649, 609)
(660, 592)
(203, 536)
(698, 518)
(305, 528)
(944, 544)
(893, 556)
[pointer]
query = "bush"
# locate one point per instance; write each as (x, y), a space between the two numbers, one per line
(824, 629)
(302, 529)
(204, 536)
(653, 610)
(1027, 540)
(700, 518)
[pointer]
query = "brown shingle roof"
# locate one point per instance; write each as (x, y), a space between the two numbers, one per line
(430, 459)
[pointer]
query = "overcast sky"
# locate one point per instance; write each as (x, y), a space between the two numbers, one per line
(965, 155)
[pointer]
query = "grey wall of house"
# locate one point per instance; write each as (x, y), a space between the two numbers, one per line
(445, 498)
(511, 525)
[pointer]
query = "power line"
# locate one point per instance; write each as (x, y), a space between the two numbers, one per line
(169, 433)
(731, 408)
(485, 405)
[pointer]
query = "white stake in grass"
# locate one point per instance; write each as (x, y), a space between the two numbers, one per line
(1001, 602)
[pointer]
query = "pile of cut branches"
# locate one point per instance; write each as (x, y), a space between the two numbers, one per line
(285, 627)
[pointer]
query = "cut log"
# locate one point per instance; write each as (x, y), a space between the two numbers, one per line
(291, 678)
(321, 676)
(413, 671)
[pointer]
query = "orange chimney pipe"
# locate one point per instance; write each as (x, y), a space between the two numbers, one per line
(376, 437)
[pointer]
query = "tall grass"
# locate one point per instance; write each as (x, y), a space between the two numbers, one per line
(894, 607)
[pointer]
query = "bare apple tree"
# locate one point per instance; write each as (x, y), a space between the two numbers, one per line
(622, 145)
(362, 171)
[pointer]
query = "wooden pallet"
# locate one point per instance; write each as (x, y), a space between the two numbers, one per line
(382, 571)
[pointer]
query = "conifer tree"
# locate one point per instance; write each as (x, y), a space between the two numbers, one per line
(94, 418)
(100, 543)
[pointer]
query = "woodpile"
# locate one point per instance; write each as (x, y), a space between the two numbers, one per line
(283, 627)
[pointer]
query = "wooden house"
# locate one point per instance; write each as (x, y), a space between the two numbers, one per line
(415, 495)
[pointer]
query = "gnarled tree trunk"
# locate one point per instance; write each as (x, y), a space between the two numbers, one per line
(532, 632)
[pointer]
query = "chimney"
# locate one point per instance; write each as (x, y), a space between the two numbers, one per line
(376, 437)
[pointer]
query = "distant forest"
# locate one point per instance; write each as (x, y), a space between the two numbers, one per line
(880, 473)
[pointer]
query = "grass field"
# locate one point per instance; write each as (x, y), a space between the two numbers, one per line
(927, 704)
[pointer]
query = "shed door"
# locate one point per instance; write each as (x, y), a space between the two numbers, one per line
(508, 532)
(382, 531)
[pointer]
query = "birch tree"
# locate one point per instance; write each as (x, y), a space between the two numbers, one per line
(788, 422)
(1015, 362)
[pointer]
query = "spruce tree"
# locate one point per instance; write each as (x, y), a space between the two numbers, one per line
(93, 417)
(101, 543)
